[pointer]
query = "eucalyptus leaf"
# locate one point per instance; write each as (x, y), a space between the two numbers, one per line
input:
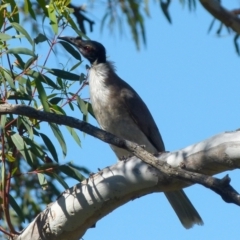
(60, 180)
(5, 37)
(59, 136)
(71, 172)
(42, 95)
(21, 50)
(51, 148)
(16, 208)
(64, 74)
(74, 135)
(71, 50)
(20, 29)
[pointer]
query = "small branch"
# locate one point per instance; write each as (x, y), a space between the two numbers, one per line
(229, 18)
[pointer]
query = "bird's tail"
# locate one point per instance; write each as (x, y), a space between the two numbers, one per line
(184, 209)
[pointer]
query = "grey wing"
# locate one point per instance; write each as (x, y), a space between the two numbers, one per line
(139, 112)
(141, 115)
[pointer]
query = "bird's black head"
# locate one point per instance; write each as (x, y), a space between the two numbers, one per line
(93, 51)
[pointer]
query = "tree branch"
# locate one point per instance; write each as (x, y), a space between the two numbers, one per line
(80, 207)
(229, 18)
(183, 173)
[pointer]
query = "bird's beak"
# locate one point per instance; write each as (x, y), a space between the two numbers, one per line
(72, 40)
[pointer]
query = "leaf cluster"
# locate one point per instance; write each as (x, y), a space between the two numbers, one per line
(29, 159)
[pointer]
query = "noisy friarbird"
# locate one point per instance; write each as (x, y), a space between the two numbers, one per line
(120, 111)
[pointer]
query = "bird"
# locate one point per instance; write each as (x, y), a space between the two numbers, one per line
(120, 110)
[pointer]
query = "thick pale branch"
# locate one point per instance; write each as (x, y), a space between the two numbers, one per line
(80, 207)
(164, 166)
(226, 17)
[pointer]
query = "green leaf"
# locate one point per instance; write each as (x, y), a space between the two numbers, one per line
(3, 121)
(10, 158)
(64, 74)
(59, 136)
(40, 38)
(42, 78)
(71, 172)
(60, 180)
(20, 29)
(21, 51)
(90, 109)
(21, 83)
(36, 149)
(71, 106)
(49, 146)
(74, 67)
(74, 135)
(42, 95)
(42, 5)
(74, 26)
(28, 125)
(82, 106)
(5, 37)
(42, 181)
(57, 109)
(29, 87)
(16, 208)
(71, 50)
(55, 100)
(28, 8)
(80, 169)
(53, 18)
(9, 79)
(22, 148)
(14, 8)
(20, 62)
(30, 62)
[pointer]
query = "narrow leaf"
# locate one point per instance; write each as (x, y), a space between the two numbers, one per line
(3, 121)
(82, 106)
(40, 38)
(60, 180)
(74, 67)
(40, 77)
(28, 8)
(49, 146)
(64, 74)
(5, 37)
(42, 181)
(9, 79)
(36, 149)
(22, 148)
(71, 50)
(28, 125)
(16, 208)
(20, 29)
(71, 172)
(21, 51)
(42, 95)
(20, 63)
(74, 135)
(59, 136)
(42, 5)
(30, 62)
(10, 158)
(53, 18)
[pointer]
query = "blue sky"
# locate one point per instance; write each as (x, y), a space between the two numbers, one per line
(189, 80)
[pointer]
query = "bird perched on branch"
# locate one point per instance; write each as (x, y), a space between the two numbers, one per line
(120, 111)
